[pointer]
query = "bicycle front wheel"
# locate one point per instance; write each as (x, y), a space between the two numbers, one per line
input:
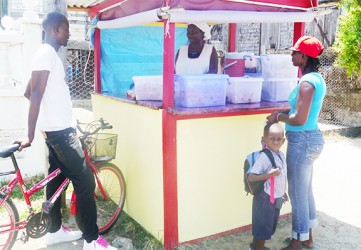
(9, 219)
(109, 197)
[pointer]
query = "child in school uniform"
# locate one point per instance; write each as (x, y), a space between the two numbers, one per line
(266, 206)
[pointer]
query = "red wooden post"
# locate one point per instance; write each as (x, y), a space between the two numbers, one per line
(170, 190)
(168, 65)
(97, 78)
(298, 31)
(232, 37)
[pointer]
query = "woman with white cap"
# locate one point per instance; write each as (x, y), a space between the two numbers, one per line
(197, 57)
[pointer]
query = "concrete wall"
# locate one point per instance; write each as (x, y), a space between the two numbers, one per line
(14, 106)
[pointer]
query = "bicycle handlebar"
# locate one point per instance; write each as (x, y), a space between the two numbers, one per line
(101, 126)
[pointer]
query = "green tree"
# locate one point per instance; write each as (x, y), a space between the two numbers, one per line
(348, 44)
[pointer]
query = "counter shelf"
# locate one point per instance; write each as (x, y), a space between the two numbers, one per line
(228, 110)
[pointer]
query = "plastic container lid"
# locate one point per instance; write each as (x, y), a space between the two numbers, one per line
(202, 76)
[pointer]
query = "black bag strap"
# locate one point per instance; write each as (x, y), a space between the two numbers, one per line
(270, 156)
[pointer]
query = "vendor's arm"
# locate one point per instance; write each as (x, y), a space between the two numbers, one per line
(303, 106)
(213, 64)
(176, 56)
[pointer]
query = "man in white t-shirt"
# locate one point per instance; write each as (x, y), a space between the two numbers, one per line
(51, 112)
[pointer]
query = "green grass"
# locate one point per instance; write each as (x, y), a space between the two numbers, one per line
(127, 227)
(36, 200)
(29, 182)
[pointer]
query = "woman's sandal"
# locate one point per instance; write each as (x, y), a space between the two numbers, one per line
(287, 241)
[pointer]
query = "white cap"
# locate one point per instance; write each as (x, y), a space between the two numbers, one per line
(205, 28)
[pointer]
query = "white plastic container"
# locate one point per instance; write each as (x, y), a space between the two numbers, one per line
(244, 89)
(205, 90)
(277, 89)
(276, 66)
(148, 88)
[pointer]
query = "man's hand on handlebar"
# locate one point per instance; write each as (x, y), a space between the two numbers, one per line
(23, 143)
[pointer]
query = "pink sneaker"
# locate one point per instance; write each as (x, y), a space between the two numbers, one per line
(64, 234)
(98, 244)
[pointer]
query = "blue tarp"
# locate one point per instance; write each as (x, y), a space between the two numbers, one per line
(134, 51)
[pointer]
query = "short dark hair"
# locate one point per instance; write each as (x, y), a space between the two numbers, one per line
(267, 127)
(53, 19)
(312, 64)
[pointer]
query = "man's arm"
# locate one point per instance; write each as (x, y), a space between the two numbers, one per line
(36, 88)
(27, 92)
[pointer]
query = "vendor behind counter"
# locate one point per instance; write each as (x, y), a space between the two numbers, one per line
(198, 57)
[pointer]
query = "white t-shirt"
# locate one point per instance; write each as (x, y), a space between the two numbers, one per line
(56, 108)
(263, 165)
(199, 65)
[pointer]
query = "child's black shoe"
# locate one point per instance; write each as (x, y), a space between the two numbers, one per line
(253, 247)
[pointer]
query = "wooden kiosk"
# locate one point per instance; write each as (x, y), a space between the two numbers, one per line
(184, 166)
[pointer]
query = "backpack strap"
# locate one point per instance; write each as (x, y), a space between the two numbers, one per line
(272, 179)
(270, 156)
(252, 159)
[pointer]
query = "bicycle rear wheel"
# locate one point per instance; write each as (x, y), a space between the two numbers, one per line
(108, 208)
(9, 218)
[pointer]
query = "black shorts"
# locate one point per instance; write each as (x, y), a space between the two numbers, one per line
(264, 216)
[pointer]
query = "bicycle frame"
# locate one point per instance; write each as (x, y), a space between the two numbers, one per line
(93, 167)
(7, 190)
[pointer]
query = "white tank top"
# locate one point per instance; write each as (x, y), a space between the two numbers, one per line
(200, 65)
(56, 108)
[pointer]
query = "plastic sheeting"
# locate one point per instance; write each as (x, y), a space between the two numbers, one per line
(212, 16)
(130, 7)
(134, 51)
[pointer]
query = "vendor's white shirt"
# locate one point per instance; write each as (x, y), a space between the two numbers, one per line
(56, 108)
(200, 65)
(263, 165)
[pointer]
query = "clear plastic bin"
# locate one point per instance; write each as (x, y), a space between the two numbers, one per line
(277, 89)
(244, 89)
(201, 90)
(277, 66)
(148, 88)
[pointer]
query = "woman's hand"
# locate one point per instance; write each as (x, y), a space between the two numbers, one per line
(272, 118)
(285, 198)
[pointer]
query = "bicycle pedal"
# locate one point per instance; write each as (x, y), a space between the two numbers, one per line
(46, 207)
(24, 237)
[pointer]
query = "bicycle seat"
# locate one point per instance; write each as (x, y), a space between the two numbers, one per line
(8, 150)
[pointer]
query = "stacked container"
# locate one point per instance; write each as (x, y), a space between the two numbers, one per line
(244, 89)
(280, 77)
(205, 90)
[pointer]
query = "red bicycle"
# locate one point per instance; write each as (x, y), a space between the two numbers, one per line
(109, 194)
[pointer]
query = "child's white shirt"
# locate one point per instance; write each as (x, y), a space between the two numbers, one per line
(263, 165)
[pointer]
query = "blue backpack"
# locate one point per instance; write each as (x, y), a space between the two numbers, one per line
(253, 187)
